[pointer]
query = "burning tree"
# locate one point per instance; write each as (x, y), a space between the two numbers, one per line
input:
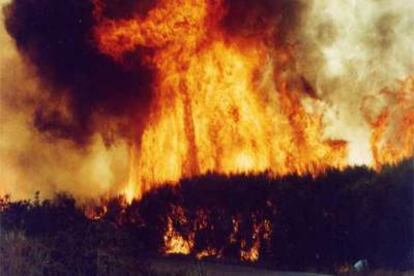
(218, 129)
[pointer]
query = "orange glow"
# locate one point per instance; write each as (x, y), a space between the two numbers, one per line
(94, 212)
(261, 232)
(252, 254)
(209, 252)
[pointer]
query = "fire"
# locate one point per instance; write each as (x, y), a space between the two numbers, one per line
(174, 242)
(228, 103)
(222, 102)
(95, 212)
(208, 253)
(261, 232)
(393, 141)
(251, 255)
(249, 242)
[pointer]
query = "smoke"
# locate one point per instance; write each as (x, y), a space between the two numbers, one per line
(347, 52)
(33, 161)
(252, 17)
(55, 36)
(350, 51)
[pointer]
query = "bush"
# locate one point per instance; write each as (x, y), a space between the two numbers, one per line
(22, 256)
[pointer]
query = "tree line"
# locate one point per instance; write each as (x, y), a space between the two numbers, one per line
(318, 224)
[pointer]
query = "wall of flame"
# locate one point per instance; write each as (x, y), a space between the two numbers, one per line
(333, 90)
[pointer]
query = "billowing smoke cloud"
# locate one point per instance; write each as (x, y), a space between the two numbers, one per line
(64, 105)
(31, 161)
(55, 36)
(350, 51)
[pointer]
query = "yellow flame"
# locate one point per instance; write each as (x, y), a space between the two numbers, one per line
(221, 103)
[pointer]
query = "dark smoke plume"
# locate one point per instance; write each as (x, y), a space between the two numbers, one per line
(56, 36)
(252, 17)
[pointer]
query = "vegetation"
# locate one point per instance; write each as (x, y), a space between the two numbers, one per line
(322, 224)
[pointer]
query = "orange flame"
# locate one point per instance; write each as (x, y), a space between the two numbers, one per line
(176, 243)
(222, 103)
(393, 129)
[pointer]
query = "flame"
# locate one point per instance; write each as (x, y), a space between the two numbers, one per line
(222, 102)
(177, 243)
(174, 243)
(393, 129)
(208, 252)
(95, 212)
(261, 232)
(252, 254)
(229, 104)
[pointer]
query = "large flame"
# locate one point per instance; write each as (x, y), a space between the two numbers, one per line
(222, 103)
(393, 129)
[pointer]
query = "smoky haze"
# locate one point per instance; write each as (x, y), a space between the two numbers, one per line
(349, 51)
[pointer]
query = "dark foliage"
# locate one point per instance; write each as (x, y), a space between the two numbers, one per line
(317, 224)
